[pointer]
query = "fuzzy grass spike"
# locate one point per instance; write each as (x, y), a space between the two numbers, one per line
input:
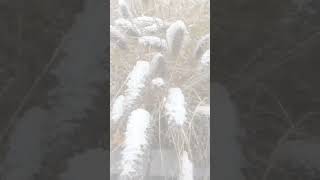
(118, 38)
(202, 45)
(186, 168)
(136, 146)
(176, 35)
(136, 82)
(124, 9)
(175, 107)
(118, 109)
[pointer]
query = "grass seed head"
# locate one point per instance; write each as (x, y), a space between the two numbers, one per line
(136, 145)
(158, 65)
(175, 107)
(202, 45)
(136, 81)
(118, 38)
(186, 167)
(205, 59)
(117, 109)
(124, 9)
(175, 35)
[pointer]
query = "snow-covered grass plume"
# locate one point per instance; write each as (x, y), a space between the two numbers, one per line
(124, 9)
(136, 81)
(175, 107)
(117, 38)
(157, 65)
(175, 35)
(186, 168)
(118, 108)
(157, 82)
(136, 144)
(205, 59)
(202, 45)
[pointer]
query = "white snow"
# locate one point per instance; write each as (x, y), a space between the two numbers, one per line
(152, 29)
(202, 45)
(135, 142)
(117, 37)
(158, 82)
(175, 107)
(124, 8)
(205, 59)
(118, 108)
(187, 168)
(136, 81)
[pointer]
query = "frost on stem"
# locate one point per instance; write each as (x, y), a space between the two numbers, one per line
(202, 45)
(176, 34)
(127, 27)
(136, 146)
(175, 107)
(118, 38)
(157, 65)
(117, 109)
(124, 9)
(186, 172)
(136, 82)
(153, 42)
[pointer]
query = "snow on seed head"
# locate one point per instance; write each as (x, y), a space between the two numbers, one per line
(157, 82)
(204, 65)
(205, 59)
(117, 109)
(124, 9)
(157, 64)
(175, 107)
(118, 38)
(175, 35)
(136, 143)
(202, 45)
(136, 81)
(186, 168)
